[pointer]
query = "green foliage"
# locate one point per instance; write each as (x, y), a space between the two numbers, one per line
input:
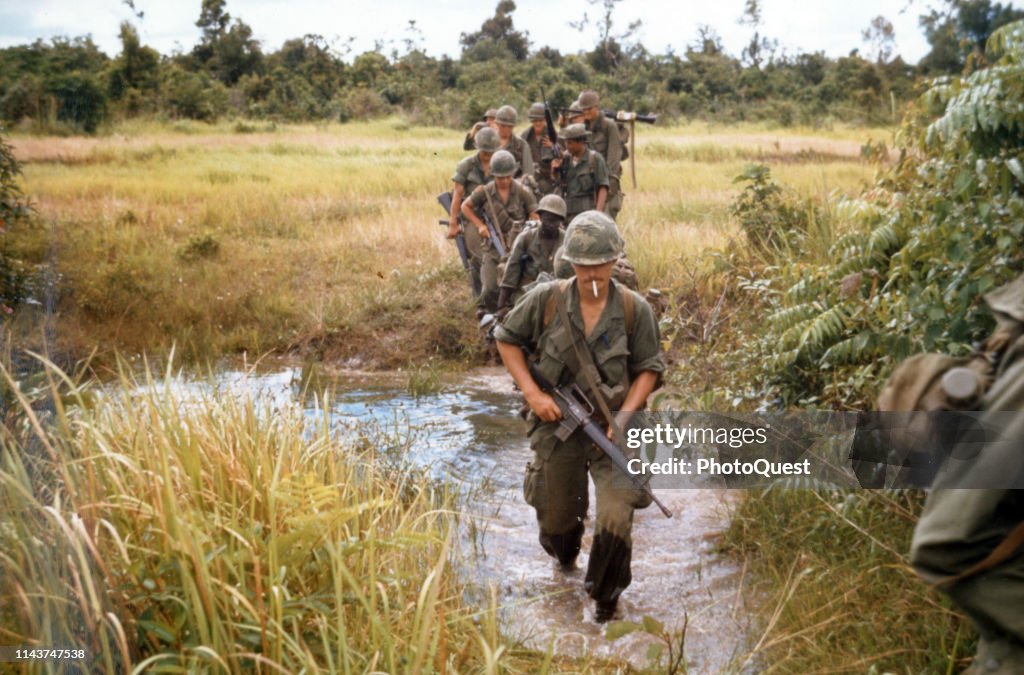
(667, 654)
(772, 218)
(15, 212)
(937, 231)
(199, 248)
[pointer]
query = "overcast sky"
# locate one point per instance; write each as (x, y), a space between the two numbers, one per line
(832, 26)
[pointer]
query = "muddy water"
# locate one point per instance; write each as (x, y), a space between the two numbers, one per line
(469, 432)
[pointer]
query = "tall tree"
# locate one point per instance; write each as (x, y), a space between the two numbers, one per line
(958, 32)
(881, 38)
(497, 34)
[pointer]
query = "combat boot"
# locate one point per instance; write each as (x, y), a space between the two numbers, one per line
(605, 610)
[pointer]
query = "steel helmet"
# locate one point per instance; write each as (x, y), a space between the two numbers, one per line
(487, 140)
(503, 163)
(592, 239)
(552, 204)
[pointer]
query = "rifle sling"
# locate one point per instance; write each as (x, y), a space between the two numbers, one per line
(586, 364)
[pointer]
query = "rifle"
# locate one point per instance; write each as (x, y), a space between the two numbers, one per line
(576, 411)
(624, 116)
(445, 200)
(553, 137)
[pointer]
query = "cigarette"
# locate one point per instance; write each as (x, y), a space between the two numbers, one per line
(594, 284)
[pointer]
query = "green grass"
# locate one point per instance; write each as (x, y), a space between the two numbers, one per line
(157, 529)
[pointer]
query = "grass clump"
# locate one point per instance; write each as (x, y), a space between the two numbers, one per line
(838, 593)
(157, 530)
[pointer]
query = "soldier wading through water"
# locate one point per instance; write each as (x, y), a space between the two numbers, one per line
(593, 332)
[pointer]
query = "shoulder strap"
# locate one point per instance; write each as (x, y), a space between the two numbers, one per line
(550, 305)
(627, 309)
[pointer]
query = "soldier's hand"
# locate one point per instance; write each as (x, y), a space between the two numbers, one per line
(453, 230)
(556, 163)
(544, 407)
(484, 234)
(546, 141)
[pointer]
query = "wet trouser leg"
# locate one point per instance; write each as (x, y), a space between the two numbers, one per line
(556, 487)
(608, 572)
(473, 248)
(488, 300)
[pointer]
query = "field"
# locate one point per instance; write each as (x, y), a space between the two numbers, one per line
(324, 240)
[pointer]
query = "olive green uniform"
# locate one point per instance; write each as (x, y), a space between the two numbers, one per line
(508, 218)
(605, 140)
(520, 149)
(556, 480)
(470, 174)
(542, 157)
(582, 180)
(531, 254)
(960, 527)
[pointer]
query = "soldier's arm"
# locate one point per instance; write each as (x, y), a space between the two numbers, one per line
(602, 197)
(469, 211)
(527, 166)
(453, 217)
(601, 176)
(614, 160)
(542, 405)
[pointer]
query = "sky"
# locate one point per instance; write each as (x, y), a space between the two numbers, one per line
(832, 26)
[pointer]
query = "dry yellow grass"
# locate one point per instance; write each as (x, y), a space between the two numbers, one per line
(224, 241)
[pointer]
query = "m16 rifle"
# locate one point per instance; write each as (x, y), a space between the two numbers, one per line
(445, 200)
(556, 150)
(576, 414)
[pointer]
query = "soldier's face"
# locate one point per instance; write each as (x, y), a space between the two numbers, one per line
(485, 157)
(586, 274)
(504, 131)
(503, 182)
(538, 126)
(590, 113)
(575, 146)
(491, 122)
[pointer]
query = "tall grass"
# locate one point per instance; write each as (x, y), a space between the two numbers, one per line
(838, 593)
(326, 237)
(158, 530)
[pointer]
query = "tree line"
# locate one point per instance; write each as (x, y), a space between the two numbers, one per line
(69, 85)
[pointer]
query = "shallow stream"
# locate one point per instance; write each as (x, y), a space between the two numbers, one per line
(469, 431)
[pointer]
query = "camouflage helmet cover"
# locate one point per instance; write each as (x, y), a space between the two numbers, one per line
(536, 112)
(503, 163)
(491, 113)
(552, 204)
(592, 239)
(506, 115)
(487, 140)
(575, 108)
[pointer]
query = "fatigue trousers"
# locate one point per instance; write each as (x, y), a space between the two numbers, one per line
(556, 487)
(614, 202)
(960, 527)
(486, 268)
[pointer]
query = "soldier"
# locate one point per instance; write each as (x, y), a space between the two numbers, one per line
(506, 120)
(968, 541)
(604, 137)
(533, 252)
(541, 149)
(508, 205)
(472, 172)
(584, 179)
(597, 322)
(468, 143)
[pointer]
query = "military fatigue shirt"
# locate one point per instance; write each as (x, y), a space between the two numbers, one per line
(604, 138)
(542, 157)
(531, 254)
(619, 357)
(511, 214)
(469, 173)
(582, 180)
(520, 149)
